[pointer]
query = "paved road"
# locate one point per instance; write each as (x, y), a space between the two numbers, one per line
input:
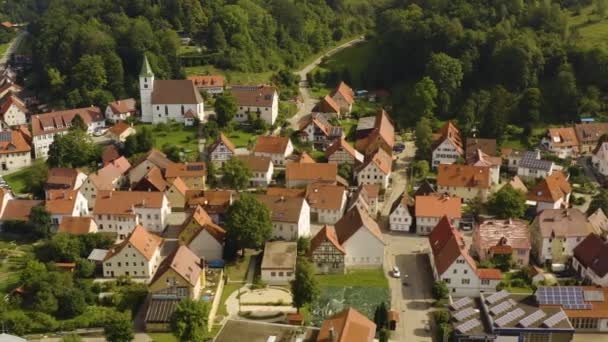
(308, 103)
(14, 44)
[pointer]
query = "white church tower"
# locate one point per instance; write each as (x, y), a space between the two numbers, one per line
(146, 86)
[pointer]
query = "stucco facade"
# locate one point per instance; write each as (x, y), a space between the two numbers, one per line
(445, 153)
(466, 193)
(130, 262)
(372, 174)
(206, 246)
(400, 219)
(171, 279)
(363, 249)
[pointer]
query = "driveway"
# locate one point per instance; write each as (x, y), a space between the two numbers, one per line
(308, 103)
(14, 44)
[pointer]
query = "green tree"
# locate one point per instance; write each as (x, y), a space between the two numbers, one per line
(72, 338)
(530, 105)
(303, 245)
(74, 149)
(424, 138)
(304, 287)
(440, 290)
(601, 8)
(119, 328)
(40, 221)
(507, 203)
(422, 101)
(236, 174)
(345, 171)
(599, 201)
(248, 222)
(503, 261)
(189, 320)
(225, 107)
(36, 177)
(78, 123)
(381, 316)
(421, 168)
(90, 73)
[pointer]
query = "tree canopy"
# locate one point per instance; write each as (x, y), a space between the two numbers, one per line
(507, 203)
(236, 174)
(248, 222)
(304, 287)
(189, 320)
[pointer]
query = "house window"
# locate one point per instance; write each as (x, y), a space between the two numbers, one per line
(447, 280)
(466, 281)
(485, 281)
(273, 274)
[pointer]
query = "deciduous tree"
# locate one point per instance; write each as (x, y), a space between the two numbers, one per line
(236, 174)
(225, 108)
(248, 222)
(119, 328)
(304, 287)
(189, 320)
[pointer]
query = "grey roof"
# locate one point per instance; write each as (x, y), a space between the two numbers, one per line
(365, 123)
(160, 310)
(98, 254)
(530, 161)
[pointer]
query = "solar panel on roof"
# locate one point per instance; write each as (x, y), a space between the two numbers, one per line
(5, 136)
(502, 307)
(468, 325)
(194, 167)
(461, 315)
(496, 297)
(530, 319)
(509, 317)
(593, 296)
(578, 307)
(560, 295)
(462, 302)
(553, 320)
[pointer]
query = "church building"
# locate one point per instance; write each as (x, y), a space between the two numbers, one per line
(165, 100)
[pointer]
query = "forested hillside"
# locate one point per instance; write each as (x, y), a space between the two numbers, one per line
(489, 63)
(89, 51)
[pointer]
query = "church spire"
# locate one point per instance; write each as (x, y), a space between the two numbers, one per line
(146, 71)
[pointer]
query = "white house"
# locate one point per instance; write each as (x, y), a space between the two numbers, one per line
(275, 147)
(109, 177)
(361, 238)
(120, 110)
(327, 202)
(451, 263)
(261, 169)
(46, 126)
(400, 218)
(138, 256)
(120, 211)
(465, 181)
(556, 232)
(551, 193)
(221, 150)
(600, 158)
(590, 260)
(341, 152)
(366, 197)
(317, 130)
(13, 111)
(447, 146)
(375, 170)
(531, 165)
(61, 203)
(430, 209)
(15, 151)
(165, 100)
(203, 237)
(279, 262)
(562, 141)
(290, 216)
(261, 100)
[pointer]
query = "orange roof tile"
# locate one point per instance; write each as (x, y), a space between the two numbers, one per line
(53, 122)
(207, 81)
(553, 188)
(224, 140)
(352, 221)
(325, 196)
(313, 172)
(454, 175)
(196, 169)
(119, 128)
(346, 92)
(341, 145)
(13, 142)
(19, 210)
(381, 159)
(183, 262)
(255, 163)
(348, 326)
(75, 225)
(327, 233)
(60, 201)
(123, 106)
(122, 202)
(437, 205)
(451, 132)
(563, 137)
(180, 186)
(271, 144)
(285, 192)
(145, 242)
(203, 223)
(327, 105)
(489, 273)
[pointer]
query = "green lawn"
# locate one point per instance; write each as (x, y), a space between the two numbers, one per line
(355, 59)
(237, 271)
(349, 126)
(232, 77)
(591, 28)
(18, 180)
(176, 134)
(12, 255)
(363, 277)
(4, 47)
(241, 138)
(226, 292)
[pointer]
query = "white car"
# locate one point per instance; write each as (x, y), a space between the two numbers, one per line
(395, 272)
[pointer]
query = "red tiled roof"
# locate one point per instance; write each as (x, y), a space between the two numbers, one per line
(450, 132)
(207, 81)
(119, 128)
(60, 201)
(381, 159)
(454, 175)
(347, 326)
(223, 139)
(553, 188)
(327, 233)
(327, 105)
(184, 263)
(75, 225)
(15, 143)
(59, 121)
(436, 205)
(257, 96)
(489, 273)
(145, 242)
(314, 172)
(346, 92)
(352, 221)
(19, 210)
(341, 145)
(271, 144)
(592, 252)
(123, 106)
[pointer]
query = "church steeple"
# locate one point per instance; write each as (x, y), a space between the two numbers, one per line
(146, 70)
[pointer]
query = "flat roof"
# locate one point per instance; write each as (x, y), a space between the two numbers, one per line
(237, 330)
(279, 255)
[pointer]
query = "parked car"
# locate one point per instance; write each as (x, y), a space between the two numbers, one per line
(398, 148)
(395, 272)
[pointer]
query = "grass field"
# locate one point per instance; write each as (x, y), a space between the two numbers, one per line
(241, 138)
(355, 59)
(228, 290)
(592, 29)
(3, 48)
(176, 134)
(232, 77)
(12, 256)
(349, 126)
(17, 180)
(334, 299)
(363, 277)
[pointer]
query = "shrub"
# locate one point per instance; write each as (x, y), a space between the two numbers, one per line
(440, 290)
(518, 283)
(441, 316)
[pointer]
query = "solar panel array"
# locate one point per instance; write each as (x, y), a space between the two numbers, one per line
(560, 295)
(6, 136)
(593, 296)
(509, 317)
(497, 296)
(468, 325)
(461, 303)
(578, 306)
(462, 315)
(502, 307)
(530, 319)
(553, 320)
(194, 167)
